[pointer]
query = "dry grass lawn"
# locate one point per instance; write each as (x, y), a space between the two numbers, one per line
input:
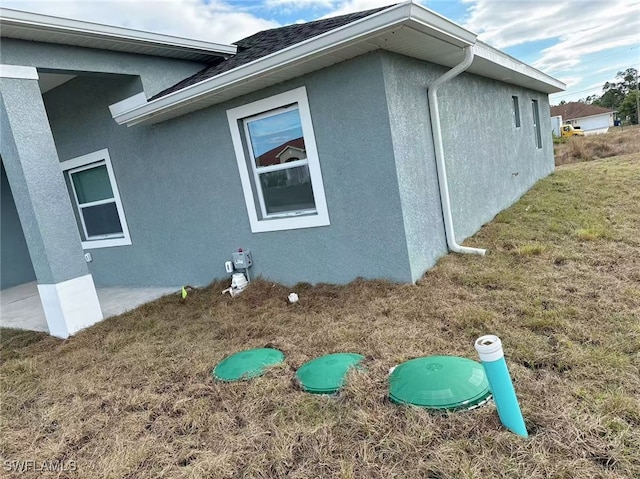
(617, 141)
(133, 397)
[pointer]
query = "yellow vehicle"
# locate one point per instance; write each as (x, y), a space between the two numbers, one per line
(569, 130)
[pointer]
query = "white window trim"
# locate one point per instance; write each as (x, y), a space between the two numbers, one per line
(291, 220)
(85, 162)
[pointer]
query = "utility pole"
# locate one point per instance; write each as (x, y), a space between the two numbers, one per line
(637, 99)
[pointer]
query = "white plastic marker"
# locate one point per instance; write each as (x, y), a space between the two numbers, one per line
(293, 298)
(489, 349)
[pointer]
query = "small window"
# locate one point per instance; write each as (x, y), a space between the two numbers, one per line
(516, 111)
(536, 123)
(94, 195)
(278, 163)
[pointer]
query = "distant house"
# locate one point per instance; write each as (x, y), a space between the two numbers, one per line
(287, 151)
(133, 159)
(590, 118)
(291, 153)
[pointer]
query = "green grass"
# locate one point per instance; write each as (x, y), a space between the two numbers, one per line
(133, 396)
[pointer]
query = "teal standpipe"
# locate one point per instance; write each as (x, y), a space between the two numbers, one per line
(489, 349)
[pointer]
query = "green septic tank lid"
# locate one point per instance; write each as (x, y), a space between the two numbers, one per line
(325, 375)
(439, 382)
(247, 364)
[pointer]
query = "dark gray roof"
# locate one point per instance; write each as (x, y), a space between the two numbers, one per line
(266, 42)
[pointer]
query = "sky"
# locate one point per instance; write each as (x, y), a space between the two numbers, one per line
(583, 43)
(272, 131)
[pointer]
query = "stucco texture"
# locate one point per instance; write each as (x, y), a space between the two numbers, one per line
(154, 73)
(406, 94)
(183, 200)
(32, 167)
(181, 192)
(15, 263)
(490, 163)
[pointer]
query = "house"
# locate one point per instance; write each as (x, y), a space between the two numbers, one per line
(591, 119)
(286, 151)
(130, 158)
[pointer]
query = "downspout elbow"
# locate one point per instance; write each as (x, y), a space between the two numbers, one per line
(436, 130)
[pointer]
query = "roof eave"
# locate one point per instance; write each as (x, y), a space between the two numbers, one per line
(406, 14)
(71, 29)
(546, 83)
(589, 116)
(429, 22)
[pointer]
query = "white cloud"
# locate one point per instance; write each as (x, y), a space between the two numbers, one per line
(616, 67)
(299, 4)
(215, 21)
(570, 81)
(508, 23)
(351, 6)
(568, 52)
(591, 89)
(581, 28)
(576, 29)
(336, 7)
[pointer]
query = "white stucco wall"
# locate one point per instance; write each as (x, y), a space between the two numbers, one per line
(595, 124)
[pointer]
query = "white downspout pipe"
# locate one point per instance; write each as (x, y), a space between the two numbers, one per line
(439, 150)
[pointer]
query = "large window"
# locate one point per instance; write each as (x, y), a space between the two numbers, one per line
(536, 123)
(278, 163)
(94, 195)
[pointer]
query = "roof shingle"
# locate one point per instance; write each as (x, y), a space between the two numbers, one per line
(576, 109)
(265, 43)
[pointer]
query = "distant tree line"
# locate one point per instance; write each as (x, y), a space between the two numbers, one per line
(621, 95)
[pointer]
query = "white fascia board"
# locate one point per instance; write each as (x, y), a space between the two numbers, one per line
(37, 21)
(431, 23)
(19, 72)
(367, 26)
(500, 58)
(591, 116)
(127, 104)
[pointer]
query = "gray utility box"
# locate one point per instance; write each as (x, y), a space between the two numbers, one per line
(242, 259)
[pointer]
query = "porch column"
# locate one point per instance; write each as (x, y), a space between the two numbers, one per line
(31, 162)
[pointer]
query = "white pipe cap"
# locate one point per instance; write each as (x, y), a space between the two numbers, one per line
(489, 348)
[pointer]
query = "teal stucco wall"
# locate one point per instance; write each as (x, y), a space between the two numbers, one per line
(181, 192)
(15, 263)
(180, 187)
(153, 73)
(31, 163)
(490, 163)
(406, 94)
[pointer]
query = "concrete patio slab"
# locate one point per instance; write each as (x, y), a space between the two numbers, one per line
(20, 306)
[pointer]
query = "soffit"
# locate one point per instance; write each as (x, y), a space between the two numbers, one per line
(400, 39)
(48, 29)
